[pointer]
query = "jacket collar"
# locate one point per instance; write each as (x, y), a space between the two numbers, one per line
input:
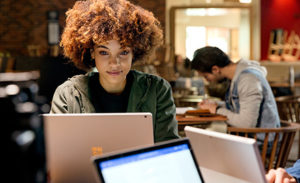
(139, 91)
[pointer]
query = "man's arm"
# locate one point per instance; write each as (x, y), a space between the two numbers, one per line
(250, 98)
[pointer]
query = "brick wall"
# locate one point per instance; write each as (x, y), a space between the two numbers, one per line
(24, 22)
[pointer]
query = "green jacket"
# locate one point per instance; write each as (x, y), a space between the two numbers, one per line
(148, 93)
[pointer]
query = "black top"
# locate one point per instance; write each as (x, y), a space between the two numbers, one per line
(106, 102)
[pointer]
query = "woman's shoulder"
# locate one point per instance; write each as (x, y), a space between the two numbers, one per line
(77, 81)
(142, 77)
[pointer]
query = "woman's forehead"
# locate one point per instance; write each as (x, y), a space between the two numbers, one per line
(111, 43)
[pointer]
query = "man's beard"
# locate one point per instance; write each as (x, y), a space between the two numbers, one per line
(223, 80)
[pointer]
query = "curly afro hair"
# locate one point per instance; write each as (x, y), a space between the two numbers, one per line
(94, 22)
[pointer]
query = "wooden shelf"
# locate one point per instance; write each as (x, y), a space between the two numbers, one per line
(284, 84)
(282, 63)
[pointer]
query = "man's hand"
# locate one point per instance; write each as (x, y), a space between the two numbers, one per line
(210, 105)
(279, 176)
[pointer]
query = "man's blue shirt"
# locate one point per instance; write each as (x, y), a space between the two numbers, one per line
(295, 170)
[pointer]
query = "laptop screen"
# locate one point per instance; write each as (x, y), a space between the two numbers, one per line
(165, 163)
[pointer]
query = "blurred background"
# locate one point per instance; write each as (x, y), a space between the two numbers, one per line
(31, 64)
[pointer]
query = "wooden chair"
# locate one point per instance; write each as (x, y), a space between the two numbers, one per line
(280, 149)
(289, 110)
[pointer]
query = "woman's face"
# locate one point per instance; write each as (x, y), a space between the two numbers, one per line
(113, 64)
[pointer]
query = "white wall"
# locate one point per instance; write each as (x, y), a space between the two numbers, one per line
(230, 20)
(255, 17)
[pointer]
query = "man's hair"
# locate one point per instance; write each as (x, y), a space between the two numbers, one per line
(205, 58)
(94, 22)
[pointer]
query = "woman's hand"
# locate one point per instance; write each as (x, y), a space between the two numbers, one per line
(279, 176)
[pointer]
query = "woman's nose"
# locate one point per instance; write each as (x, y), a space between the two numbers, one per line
(115, 61)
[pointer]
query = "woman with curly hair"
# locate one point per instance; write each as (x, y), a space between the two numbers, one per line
(110, 35)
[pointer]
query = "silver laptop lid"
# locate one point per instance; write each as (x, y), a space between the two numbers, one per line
(71, 140)
(231, 155)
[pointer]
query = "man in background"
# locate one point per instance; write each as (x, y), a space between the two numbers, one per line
(249, 101)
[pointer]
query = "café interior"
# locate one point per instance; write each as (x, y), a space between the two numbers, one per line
(32, 67)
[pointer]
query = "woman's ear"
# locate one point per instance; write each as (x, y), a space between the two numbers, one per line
(92, 52)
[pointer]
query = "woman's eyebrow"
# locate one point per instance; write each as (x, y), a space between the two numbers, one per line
(102, 46)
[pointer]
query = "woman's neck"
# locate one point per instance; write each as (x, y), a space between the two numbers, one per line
(116, 89)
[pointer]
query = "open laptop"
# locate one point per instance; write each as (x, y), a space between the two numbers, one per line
(71, 140)
(169, 161)
(221, 156)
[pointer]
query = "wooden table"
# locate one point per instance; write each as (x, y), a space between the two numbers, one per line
(198, 120)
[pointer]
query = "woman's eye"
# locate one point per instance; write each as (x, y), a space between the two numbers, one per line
(103, 53)
(125, 52)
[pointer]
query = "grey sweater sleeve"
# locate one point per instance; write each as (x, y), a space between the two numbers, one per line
(59, 102)
(250, 97)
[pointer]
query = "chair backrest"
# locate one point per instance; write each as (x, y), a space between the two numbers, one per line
(180, 93)
(289, 108)
(281, 146)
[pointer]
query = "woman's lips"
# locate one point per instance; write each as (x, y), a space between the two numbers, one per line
(114, 73)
